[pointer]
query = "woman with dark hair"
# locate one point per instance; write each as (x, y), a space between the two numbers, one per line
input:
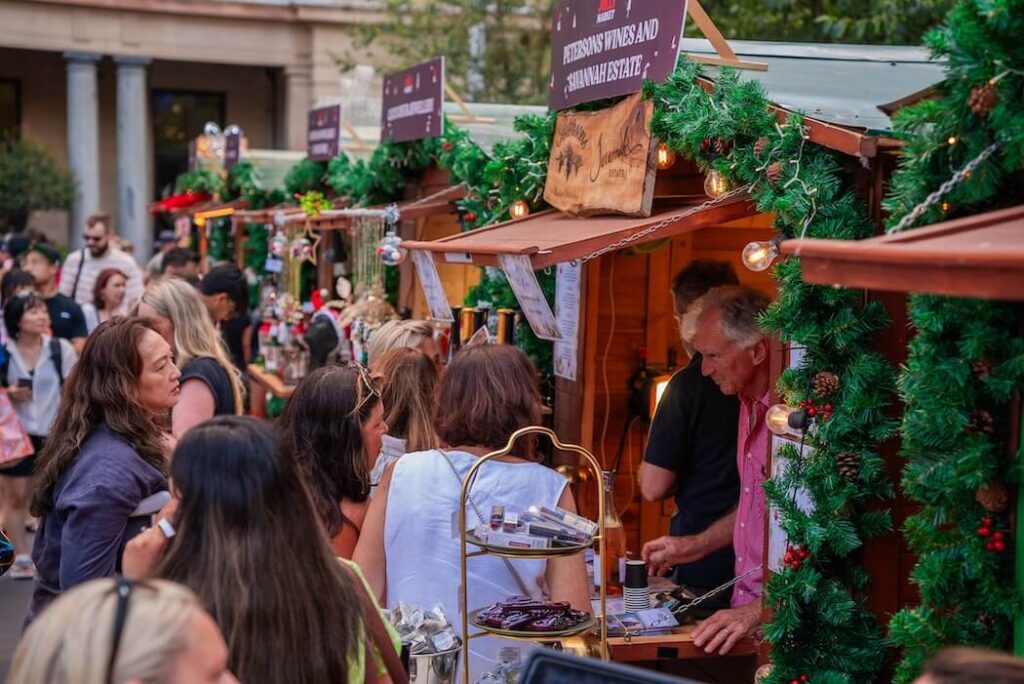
(408, 378)
(407, 548)
(107, 297)
(32, 371)
(333, 425)
(247, 541)
(110, 456)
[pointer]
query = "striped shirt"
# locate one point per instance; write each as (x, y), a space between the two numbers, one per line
(114, 258)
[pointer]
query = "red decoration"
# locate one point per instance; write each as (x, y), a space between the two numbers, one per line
(470, 216)
(446, 146)
(182, 201)
(795, 556)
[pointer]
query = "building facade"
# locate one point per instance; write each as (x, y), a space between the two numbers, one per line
(114, 89)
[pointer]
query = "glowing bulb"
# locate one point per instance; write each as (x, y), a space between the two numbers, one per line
(945, 207)
(519, 209)
(777, 418)
(758, 256)
(666, 157)
(716, 184)
(951, 140)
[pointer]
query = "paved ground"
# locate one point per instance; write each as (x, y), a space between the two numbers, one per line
(14, 598)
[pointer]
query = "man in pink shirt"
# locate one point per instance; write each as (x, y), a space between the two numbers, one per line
(735, 356)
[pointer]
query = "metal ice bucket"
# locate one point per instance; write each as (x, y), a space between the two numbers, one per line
(434, 668)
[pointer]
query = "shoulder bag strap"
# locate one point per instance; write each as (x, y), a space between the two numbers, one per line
(58, 358)
(379, 637)
(469, 495)
(78, 274)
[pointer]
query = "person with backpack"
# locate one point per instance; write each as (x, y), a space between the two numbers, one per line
(32, 372)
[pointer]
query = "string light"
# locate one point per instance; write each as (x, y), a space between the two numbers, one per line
(716, 184)
(519, 209)
(782, 419)
(951, 140)
(945, 207)
(666, 157)
(759, 255)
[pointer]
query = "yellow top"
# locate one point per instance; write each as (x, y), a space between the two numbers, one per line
(357, 664)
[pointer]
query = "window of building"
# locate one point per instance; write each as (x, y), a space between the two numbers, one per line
(178, 117)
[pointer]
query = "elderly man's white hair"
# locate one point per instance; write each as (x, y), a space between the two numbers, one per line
(740, 308)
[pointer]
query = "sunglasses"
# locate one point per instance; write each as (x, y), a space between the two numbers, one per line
(94, 238)
(123, 589)
(366, 389)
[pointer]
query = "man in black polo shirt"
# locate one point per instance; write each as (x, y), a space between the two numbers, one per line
(691, 451)
(66, 317)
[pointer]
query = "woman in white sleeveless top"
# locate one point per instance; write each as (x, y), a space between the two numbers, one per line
(407, 549)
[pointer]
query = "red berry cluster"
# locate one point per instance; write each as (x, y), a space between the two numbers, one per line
(446, 146)
(814, 411)
(795, 556)
(802, 680)
(996, 538)
(469, 216)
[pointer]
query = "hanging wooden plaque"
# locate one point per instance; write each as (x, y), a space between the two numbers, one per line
(603, 162)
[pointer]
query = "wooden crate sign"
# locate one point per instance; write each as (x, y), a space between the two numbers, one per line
(603, 162)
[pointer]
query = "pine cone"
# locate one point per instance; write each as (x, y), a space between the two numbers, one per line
(848, 465)
(826, 384)
(983, 99)
(981, 421)
(774, 172)
(993, 496)
(982, 368)
(759, 146)
(722, 146)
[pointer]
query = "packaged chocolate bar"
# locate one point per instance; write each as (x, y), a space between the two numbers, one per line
(579, 522)
(516, 540)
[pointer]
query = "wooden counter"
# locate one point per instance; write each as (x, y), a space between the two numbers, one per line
(675, 646)
(261, 382)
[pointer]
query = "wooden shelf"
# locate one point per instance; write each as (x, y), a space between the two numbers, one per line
(676, 646)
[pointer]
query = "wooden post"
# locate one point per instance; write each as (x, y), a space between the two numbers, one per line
(469, 117)
(726, 56)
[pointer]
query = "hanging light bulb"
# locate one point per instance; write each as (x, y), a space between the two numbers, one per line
(759, 255)
(716, 183)
(666, 157)
(951, 140)
(211, 128)
(782, 419)
(519, 209)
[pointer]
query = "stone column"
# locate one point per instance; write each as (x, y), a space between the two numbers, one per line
(83, 138)
(298, 99)
(132, 151)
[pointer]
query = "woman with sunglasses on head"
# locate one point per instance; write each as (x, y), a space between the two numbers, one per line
(211, 385)
(110, 456)
(333, 425)
(407, 548)
(114, 631)
(33, 370)
(248, 542)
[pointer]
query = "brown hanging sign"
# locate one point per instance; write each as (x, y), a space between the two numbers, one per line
(603, 162)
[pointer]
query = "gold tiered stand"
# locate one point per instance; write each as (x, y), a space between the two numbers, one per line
(466, 537)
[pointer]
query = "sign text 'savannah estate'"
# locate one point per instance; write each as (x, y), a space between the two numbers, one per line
(605, 48)
(412, 102)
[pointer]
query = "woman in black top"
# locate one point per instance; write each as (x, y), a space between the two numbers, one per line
(210, 383)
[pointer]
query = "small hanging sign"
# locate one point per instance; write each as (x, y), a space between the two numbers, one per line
(323, 132)
(523, 281)
(412, 102)
(433, 289)
(567, 311)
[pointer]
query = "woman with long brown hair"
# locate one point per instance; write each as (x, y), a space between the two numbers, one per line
(333, 425)
(407, 548)
(107, 297)
(408, 378)
(249, 544)
(108, 455)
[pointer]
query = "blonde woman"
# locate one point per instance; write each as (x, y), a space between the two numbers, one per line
(210, 383)
(115, 631)
(398, 334)
(409, 378)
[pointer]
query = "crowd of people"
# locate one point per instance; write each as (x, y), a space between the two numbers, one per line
(264, 552)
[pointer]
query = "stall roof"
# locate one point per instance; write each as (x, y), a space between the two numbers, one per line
(551, 237)
(978, 256)
(838, 84)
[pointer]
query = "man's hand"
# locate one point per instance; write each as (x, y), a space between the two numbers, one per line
(665, 552)
(723, 629)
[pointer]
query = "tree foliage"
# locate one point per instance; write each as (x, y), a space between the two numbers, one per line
(31, 180)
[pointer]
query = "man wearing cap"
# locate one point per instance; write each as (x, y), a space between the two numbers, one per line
(165, 242)
(67, 321)
(84, 265)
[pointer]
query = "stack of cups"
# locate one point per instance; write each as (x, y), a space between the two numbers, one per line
(634, 589)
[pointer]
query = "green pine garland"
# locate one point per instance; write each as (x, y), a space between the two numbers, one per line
(966, 361)
(823, 627)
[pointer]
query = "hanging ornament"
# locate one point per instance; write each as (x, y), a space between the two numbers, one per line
(666, 157)
(848, 465)
(519, 209)
(982, 368)
(389, 250)
(774, 172)
(983, 99)
(716, 184)
(981, 422)
(826, 384)
(305, 245)
(278, 245)
(759, 146)
(993, 496)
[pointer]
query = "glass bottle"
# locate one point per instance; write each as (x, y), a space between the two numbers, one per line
(615, 538)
